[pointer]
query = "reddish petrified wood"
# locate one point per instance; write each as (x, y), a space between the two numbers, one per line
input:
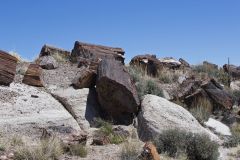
(86, 79)
(8, 65)
(91, 51)
(32, 76)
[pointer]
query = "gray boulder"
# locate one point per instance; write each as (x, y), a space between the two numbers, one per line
(26, 110)
(81, 104)
(48, 62)
(158, 114)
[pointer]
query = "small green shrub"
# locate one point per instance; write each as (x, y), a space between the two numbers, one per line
(2, 148)
(78, 150)
(129, 151)
(116, 139)
(164, 78)
(195, 146)
(234, 140)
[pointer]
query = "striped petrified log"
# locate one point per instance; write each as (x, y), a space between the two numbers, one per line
(32, 76)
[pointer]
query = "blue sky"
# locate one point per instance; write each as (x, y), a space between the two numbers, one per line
(196, 30)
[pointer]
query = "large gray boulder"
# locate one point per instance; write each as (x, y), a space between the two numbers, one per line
(26, 110)
(48, 62)
(81, 104)
(158, 114)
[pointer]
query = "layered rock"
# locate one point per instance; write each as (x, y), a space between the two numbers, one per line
(184, 63)
(91, 51)
(158, 114)
(8, 65)
(26, 110)
(60, 55)
(81, 104)
(116, 91)
(48, 62)
(148, 63)
(170, 63)
(32, 76)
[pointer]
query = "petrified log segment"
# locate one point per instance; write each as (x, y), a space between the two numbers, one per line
(210, 65)
(48, 62)
(117, 94)
(233, 70)
(86, 79)
(32, 76)
(8, 65)
(184, 63)
(90, 51)
(148, 63)
(59, 54)
(89, 63)
(192, 89)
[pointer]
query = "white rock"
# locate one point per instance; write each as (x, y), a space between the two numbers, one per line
(81, 103)
(159, 114)
(218, 127)
(235, 85)
(22, 113)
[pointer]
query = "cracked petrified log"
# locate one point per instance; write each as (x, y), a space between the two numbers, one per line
(117, 94)
(86, 79)
(57, 53)
(233, 70)
(91, 51)
(8, 65)
(192, 89)
(32, 76)
(148, 63)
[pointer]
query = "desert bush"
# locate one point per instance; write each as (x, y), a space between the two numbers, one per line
(200, 147)
(16, 141)
(234, 153)
(129, 151)
(106, 130)
(236, 95)
(78, 150)
(49, 149)
(195, 146)
(2, 147)
(234, 140)
(16, 55)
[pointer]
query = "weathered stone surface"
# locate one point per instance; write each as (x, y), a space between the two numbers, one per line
(158, 114)
(116, 91)
(24, 115)
(170, 62)
(89, 63)
(233, 70)
(48, 62)
(81, 104)
(218, 127)
(8, 65)
(148, 63)
(184, 63)
(86, 79)
(91, 51)
(33, 76)
(59, 54)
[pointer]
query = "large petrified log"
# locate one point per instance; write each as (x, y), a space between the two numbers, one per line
(233, 70)
(192, 89)
(8, 65)
(148, 63)
(117, 94)
(91, 51)
(32, 76)
(57, 53)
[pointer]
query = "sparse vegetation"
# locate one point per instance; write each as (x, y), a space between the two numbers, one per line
(129, 151)
(234, 153)
(2, 148)
(49, 149)
(201, 109)
(106, 130)
(234, 140)
(78, 150)
(176, 142)
(16, 141)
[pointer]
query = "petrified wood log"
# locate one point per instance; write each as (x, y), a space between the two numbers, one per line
(91, 51)
(117, 94)
(32, 76)
(8, 65)
(148, 63)
(233, 70)
(86, 79)
(57, 53)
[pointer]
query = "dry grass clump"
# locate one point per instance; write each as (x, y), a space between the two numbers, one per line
(49, 149)
(234, 140)
(16, 55)
(78, 150)
(168, 76)
(201, 109)
(234, 153)
(130, 151)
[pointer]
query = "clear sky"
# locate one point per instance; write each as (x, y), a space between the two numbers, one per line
(196, 30)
